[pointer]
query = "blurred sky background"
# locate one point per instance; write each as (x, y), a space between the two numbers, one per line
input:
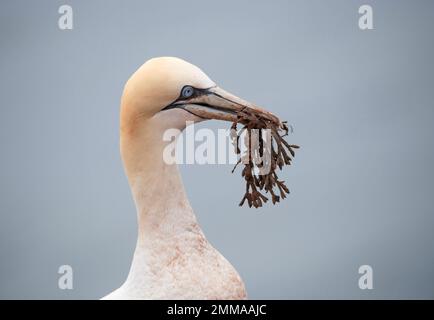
(360, 102)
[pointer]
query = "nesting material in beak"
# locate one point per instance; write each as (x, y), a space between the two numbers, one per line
(279, 151)
(263, 156)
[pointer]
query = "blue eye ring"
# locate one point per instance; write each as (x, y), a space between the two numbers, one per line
(187, 91)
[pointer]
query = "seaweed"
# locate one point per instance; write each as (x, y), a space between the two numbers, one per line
(266, 151)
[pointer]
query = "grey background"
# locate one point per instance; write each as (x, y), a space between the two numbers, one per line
(361, 103)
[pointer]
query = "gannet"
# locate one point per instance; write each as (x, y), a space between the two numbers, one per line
(173, 259)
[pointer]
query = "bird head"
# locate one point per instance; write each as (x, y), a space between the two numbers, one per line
(176, 91)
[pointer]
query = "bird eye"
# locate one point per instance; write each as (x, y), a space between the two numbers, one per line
(187, 91)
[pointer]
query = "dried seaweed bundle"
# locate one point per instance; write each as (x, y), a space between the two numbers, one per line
(266, 150)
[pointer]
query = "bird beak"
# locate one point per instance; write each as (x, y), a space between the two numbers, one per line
(216, 103)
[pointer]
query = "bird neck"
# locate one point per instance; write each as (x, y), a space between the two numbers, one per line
(163, 209)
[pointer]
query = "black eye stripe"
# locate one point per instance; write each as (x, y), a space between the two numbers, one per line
(188, 92)
(195, 93)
